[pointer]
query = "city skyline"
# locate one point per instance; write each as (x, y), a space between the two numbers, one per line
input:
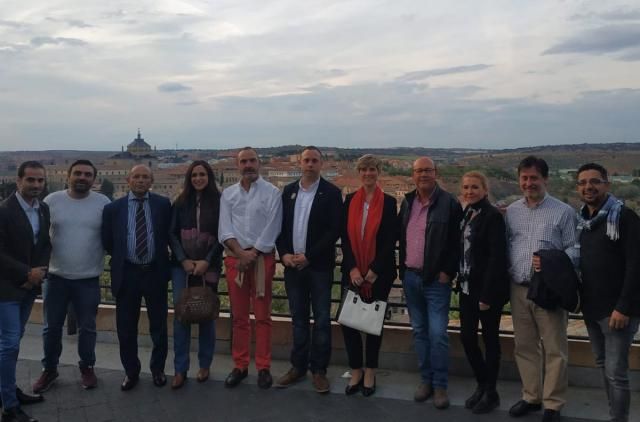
(365, 73)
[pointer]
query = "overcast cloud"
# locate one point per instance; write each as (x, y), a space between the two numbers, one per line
(223, 73)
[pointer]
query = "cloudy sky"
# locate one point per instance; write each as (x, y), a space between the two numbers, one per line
(83, 74)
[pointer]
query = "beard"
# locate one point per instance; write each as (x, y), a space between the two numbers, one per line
(81, 187)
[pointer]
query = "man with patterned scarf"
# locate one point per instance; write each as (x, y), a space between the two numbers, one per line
(610, 265)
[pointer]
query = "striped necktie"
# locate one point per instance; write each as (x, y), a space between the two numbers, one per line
(142, 249)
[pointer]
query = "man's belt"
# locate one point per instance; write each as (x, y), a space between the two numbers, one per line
(415, 270)
(142, 267)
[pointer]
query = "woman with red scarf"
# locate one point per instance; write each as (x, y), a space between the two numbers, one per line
(368, 265)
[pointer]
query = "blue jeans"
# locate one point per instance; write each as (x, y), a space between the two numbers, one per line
(428, 306)
(13, 318)
(84, 295)
(182, 332)
(611, 350)
(308, 289)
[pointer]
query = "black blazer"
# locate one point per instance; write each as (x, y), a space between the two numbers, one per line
(18, 254)
(489, 278)
(323, 230)
(114, 237)
(384, 263)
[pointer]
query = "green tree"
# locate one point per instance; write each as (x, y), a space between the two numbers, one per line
(107, 189)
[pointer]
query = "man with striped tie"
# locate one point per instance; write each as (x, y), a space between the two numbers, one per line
(135, 234)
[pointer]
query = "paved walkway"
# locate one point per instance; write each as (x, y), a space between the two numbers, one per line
(66, 401)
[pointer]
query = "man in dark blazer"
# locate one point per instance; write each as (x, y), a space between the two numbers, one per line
(135, 233)
(311, 224)
(25, 248)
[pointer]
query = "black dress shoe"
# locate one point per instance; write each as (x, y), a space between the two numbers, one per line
(550, 415)
(128, 383)
(26, 399)
(264, 379)
(368, 391)
(159, 379)
(235, 377)
(489, 401)
(16, 414)
(474, 398)
(523, 407)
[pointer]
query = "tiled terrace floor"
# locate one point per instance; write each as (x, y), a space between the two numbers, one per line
(210, 401)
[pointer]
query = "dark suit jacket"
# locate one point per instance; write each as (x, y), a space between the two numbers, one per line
(323, 230)
(114, 237)
(489, 277)
(18, 254)
(384, 263)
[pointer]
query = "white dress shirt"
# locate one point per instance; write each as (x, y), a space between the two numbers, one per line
(253, 218)
(32, 213)
(301, 216)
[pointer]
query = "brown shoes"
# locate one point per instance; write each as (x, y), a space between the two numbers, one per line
(88, 377)
(203, 374)
(320, 383)
(47, 377)
(423, 392)
(291, 377)
(178, 380)
(440, 398)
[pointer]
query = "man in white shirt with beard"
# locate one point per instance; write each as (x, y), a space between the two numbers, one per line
(77, 261)
(250, 220)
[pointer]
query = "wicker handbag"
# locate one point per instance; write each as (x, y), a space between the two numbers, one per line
(197, 304)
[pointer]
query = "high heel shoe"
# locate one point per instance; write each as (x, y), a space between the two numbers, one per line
(368, 391)
(350, 390)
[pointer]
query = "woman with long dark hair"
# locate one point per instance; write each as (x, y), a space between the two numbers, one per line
(483, 284)
(196, 258)
(368, 265)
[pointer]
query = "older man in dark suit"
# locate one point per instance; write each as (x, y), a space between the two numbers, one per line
(25, 248)
(135, 233)
(311, 223)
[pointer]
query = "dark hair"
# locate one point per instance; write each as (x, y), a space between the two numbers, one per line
(29, 164)
(188, 193)
(312, 148)
(83, 163)
(535, 162)
(209, 201)
(593, 166)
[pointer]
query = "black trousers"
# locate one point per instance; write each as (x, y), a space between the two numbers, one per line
(138, 284)
(353, 344)
(485, 368)
(353, 338)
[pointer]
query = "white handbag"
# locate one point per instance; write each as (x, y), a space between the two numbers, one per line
(365, 317)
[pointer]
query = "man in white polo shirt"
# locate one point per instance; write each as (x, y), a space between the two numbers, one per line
(77, 260)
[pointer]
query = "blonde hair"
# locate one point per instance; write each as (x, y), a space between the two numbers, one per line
(484, 181)
(368, 160)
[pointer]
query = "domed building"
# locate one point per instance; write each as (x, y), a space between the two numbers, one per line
(138, 152)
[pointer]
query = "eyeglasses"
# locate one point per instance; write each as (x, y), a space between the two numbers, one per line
(427, 170)
(592, 182)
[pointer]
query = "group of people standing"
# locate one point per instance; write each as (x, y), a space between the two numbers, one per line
(489, 258)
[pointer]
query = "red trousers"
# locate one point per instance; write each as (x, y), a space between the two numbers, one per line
(241, 300)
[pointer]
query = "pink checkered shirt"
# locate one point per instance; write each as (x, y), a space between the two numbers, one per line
(416, 228)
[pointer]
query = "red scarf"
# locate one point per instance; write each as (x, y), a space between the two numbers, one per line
(364, 247)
